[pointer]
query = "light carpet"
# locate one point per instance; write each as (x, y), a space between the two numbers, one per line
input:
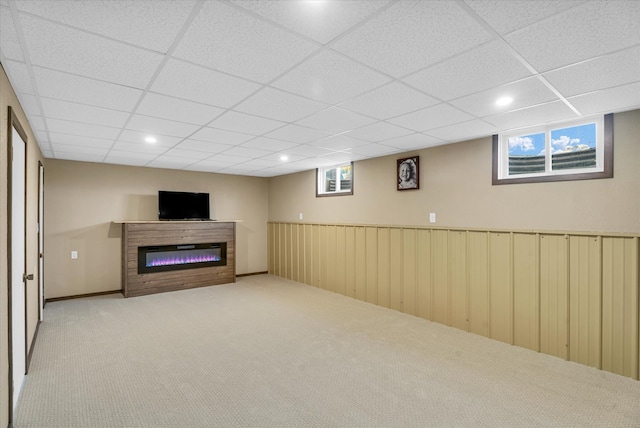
(268, 352)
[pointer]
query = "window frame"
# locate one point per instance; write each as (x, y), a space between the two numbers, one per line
(569, 175)
(323, 170)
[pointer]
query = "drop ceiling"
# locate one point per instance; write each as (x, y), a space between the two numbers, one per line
(265, 88)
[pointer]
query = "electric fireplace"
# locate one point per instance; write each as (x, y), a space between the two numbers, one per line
(177, 257)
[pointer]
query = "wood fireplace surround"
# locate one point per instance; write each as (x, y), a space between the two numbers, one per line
(180, 235)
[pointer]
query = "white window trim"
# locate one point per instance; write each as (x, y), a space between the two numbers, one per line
(320, 174)
(604, 154)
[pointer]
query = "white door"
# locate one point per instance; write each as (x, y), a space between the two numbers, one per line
(41, 239)
(18, 313)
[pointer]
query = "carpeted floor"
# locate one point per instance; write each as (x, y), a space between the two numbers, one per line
(268, 352)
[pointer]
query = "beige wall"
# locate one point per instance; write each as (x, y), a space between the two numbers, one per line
(8, 99)
(83, 199)
(456, 185)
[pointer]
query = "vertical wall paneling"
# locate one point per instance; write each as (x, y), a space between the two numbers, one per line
(585, 300)
(574, 296)
(457, 279)
(439, 276)
(350, 252)
(409, 270)
(384, 272)
(423, 284)
(361, 263)
(395, 250)
(332, 258)
(371, 237)
(500, 288)
(478, 259)
(526, 296)
(309, 260)
(620, 306)
(341, 261)
(554, 317)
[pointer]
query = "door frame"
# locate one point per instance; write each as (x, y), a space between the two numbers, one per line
(13, 123)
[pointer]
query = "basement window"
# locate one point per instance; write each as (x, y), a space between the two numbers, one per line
(335, 180)
(578, 150)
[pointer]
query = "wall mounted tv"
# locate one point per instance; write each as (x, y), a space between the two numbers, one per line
(183, 205)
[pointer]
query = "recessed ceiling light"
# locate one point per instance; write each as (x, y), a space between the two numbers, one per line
(503, 101)
(150, 140)
(284, 158)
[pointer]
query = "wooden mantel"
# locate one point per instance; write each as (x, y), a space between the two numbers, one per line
(156, 233)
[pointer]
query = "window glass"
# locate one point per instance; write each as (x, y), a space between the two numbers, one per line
(574, 147)
(526, 154)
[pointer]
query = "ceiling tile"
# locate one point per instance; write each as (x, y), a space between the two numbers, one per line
(279, 105)
(603, 72)
(29, 104)
(76, 140)
(165, 107)
(505, 17)
(463, 131)
(128, 158)
(412, 35)
(148, 149)
(69, 87)
(203, 85)
(18, 74)
(331, 78)
(388, 101)
(621, 98)
(308, 151)
(187, 154)
(155, 126)
(338, 142)
(170, 162)
(542, 114)
(65, 49)
(593, 29)
(132, 22)
(269, 144)
(246, 152)
(203, 146)
(82, 129)
(75, 156)
(320, 21)
(9, 42)
(81, 150)
(413, 141)
(224, 38)
(57, 109)
(491, 65)
(240, 122)
(374, 150)
(213, 135)
(378, 131)
(139, 138)
(525, 93)
(297, 134)
(37, 123)
(432, 117)
(335, 120)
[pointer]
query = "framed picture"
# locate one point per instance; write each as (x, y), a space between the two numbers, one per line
(408, 173)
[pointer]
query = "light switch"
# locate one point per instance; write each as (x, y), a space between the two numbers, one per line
(300, 216)
(432, 217)
(74, 255)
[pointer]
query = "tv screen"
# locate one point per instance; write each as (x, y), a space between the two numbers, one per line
(183, 205)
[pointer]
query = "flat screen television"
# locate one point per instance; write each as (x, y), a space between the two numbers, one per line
(183, 205)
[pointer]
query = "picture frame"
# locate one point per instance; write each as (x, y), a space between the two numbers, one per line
(408, 173)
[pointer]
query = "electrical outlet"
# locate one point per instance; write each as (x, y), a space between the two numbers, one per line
(300, 216)
(74, 255)
(432, 217)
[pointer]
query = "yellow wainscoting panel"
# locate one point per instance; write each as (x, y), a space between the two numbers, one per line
(478, 274)
(554, 295)
(526, 297)
(501, 288)
(620, 306)
(571, 295)
(457, 279)
(585, 259)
